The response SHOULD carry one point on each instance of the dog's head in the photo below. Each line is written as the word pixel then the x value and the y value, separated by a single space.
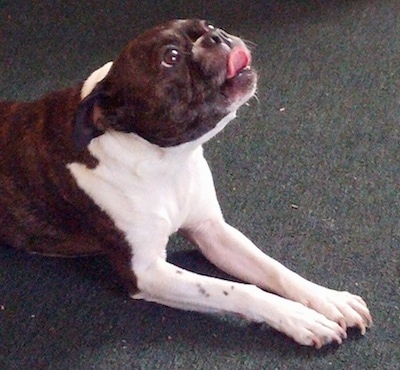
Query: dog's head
pixel 171 85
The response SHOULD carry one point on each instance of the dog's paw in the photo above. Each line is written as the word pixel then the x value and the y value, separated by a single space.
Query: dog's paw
pixel 348 310
pixel 308 327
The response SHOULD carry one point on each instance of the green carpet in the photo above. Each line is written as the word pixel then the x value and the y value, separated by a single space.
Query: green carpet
pixel 310 172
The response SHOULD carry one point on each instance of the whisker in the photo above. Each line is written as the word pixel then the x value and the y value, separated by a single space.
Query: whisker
pixel 250 44
pixel 255 96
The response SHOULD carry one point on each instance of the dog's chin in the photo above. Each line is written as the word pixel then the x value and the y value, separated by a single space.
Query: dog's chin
pixel 240 88
pixel 236 91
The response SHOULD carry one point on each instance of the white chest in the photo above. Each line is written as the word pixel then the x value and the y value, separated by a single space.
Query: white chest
pixel 141 186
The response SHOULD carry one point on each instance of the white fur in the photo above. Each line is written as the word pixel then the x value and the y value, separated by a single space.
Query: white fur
pixel 95 78
pixel 151 192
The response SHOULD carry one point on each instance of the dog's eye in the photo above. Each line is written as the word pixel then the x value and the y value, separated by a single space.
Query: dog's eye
pixel 171 57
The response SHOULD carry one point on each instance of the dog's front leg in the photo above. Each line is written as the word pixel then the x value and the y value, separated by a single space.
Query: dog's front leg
pixel 231 251
pixel 165 283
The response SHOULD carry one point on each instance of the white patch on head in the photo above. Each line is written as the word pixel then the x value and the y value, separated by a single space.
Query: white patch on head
pixel 94 79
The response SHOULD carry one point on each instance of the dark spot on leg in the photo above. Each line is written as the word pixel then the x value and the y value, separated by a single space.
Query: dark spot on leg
pixel 203 291
pixel 180 272
pixel 225 292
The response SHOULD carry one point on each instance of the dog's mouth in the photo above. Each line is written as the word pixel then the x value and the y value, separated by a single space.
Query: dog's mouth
pixel 225 60
pixel 240 79
pixel 239 59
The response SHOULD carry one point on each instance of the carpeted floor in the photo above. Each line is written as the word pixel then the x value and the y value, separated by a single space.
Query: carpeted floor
pixel 323 135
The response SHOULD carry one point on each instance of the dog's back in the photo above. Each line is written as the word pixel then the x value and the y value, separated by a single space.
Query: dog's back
pixel 38 197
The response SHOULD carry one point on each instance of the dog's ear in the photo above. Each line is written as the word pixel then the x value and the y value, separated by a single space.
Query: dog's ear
pixel 87 117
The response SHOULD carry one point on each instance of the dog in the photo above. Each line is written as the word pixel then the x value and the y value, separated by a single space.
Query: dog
pixel 115 165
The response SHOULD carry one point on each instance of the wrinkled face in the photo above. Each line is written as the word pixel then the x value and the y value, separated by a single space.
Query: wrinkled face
pixel 174 83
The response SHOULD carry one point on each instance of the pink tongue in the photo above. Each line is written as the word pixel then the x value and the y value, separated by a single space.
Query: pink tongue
pixel 239 58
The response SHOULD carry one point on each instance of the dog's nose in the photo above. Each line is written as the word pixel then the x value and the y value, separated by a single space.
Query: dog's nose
pixel 216 37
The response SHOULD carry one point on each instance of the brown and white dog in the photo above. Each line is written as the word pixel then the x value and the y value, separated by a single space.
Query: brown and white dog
pixel 115 165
